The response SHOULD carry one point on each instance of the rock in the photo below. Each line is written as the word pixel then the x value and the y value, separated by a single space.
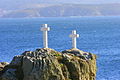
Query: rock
pixel 79 53
pixel 9 75
pixel 48 64
pixel 2 65
pixel 82 66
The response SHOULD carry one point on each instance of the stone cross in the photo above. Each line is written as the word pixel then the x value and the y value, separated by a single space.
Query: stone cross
pixel 45 30
pixel 74 36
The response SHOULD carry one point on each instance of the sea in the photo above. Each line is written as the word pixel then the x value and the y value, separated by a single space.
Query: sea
pixel 98 35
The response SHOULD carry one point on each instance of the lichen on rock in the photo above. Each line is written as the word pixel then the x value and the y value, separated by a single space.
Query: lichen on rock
pixel 48 64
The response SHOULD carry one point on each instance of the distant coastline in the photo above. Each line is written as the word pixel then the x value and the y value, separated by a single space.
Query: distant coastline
pixel 62 10
pixel 62 17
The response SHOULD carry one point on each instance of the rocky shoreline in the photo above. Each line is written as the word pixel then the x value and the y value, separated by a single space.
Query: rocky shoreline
pixel 48 64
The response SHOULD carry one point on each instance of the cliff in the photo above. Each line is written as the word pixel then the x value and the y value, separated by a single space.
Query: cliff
pixel 48 64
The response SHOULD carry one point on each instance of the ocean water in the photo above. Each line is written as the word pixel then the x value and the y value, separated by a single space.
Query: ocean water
pixel 98 35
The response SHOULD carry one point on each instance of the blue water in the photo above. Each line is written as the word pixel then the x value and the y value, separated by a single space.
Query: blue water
pixel 99 35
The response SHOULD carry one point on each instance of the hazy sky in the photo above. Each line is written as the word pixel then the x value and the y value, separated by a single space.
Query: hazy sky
pixel 66 1
pixel 15 3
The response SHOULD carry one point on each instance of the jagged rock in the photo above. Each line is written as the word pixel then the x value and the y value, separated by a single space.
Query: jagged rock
pixel 48 64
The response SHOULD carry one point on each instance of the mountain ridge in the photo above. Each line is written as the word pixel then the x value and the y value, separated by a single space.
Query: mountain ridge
pixel 64 10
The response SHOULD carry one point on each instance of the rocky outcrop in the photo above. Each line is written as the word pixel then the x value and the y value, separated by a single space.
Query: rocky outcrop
pixel 48 64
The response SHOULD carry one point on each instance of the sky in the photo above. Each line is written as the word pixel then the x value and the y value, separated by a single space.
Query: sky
pixel 85 1
pixel 15 3
pixel 55 1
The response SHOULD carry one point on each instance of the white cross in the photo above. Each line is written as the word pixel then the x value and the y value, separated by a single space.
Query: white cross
pixel 45 30
pixel 74 36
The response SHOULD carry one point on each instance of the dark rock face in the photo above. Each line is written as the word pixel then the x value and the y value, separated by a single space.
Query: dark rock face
pixel 48 64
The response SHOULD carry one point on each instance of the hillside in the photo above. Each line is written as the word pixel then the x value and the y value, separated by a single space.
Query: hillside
pixel 64 10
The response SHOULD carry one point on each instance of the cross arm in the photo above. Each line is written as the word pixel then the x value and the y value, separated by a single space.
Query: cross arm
pixel 74 35
pixel 45 29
